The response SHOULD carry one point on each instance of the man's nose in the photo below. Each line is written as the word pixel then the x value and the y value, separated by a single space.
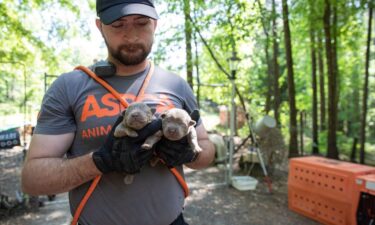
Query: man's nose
pixel 130 33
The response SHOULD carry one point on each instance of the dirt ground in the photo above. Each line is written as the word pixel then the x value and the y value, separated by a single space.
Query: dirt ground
pixel 225 205
pixel 210 203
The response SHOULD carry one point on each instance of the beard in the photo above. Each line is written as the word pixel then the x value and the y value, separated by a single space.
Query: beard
pixel 130 54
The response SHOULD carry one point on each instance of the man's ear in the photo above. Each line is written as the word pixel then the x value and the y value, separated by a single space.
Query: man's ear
pixel 155 24
pixel 99 25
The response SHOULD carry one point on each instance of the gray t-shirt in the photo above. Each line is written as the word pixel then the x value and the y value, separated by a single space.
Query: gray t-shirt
pixel 76 103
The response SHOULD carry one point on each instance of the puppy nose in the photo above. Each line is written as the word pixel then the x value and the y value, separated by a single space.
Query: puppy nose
pixel 172 130
pixel 135 115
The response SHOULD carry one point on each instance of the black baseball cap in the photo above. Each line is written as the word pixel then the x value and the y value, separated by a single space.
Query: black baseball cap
pixel 112 10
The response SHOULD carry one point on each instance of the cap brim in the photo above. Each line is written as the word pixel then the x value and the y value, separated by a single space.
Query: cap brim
pixel 114 13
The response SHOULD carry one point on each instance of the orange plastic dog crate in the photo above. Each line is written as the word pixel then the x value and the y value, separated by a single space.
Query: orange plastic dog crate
pixel 366 183
pixel 325 190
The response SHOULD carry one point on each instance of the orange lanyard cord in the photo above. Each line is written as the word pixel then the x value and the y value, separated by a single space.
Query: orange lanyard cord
pixel 104 84
pixel 84 200
pixel 95 182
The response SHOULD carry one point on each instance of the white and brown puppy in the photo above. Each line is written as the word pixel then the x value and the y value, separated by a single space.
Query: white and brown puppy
pixel 176 124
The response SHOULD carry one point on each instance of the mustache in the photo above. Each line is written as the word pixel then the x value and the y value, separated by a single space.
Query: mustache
pixel 131 47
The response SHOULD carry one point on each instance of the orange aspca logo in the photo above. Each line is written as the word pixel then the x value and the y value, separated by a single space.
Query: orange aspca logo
pixel 108 105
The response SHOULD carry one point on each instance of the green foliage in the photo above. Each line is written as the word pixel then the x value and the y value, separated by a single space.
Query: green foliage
pixel 40 37
pixel 31 43
pixel 227 24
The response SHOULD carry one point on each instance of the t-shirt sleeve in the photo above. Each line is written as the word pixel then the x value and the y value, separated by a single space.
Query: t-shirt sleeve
pixel 56 115
pixel 190 101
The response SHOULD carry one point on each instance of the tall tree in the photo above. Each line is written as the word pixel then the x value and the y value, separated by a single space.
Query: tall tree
pixel 366 88
pixel 332 151
pixel 276 89
pixel 334 39
pixel 315 149
pixel 322 95
pixel 188 43
pixel 301 133
pixel 265 27
pixel 293 141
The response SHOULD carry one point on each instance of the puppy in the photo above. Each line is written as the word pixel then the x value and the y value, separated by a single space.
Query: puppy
pixel 176 124
pixel 136 117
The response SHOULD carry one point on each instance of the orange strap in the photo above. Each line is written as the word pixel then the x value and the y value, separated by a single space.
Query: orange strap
pixel 95 182
pixel 85 199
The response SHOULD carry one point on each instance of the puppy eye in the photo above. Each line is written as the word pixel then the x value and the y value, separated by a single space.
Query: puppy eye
pixel 183 125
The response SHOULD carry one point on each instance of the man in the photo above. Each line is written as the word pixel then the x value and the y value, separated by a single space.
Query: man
pixel 77 114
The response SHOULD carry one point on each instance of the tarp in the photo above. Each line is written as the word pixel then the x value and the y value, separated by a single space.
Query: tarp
pixel 9 138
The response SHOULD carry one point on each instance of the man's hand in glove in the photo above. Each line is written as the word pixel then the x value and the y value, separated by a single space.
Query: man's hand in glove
pixel 185 150
pixel 175 153
pixel 125 154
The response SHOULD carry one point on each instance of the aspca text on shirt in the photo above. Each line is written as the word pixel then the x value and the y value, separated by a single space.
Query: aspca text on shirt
pixel 97 107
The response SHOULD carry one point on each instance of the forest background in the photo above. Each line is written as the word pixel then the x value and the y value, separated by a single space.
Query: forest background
pixel 309 64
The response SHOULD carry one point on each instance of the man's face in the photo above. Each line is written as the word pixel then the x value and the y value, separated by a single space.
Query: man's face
pixel 129 39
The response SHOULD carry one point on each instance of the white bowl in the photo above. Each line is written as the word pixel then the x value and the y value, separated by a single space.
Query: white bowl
pixel 244 183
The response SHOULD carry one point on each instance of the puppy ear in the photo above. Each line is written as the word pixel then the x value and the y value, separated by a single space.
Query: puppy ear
pixel 163 114
pixel 123 113
pixel 192 123
pixel 153 111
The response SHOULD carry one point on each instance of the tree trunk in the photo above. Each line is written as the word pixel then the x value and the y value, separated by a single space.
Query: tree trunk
pixel 276 89
pixel 302 128
pixel 365 89
pixel 354 150
pixel 339 122
pixel 332 151
pixel 293 142
pixel 315 143
pixel 196 63
pixel 269 81
pixel 7 95
pixel 188 40
pixel 268 60
pixel 321 85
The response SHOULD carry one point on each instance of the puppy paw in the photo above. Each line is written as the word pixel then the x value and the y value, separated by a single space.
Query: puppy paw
pixel 198 149
pixel 132 134
pixel 128 179
pixel 154 162
pixel 146 146
pixel 119 133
